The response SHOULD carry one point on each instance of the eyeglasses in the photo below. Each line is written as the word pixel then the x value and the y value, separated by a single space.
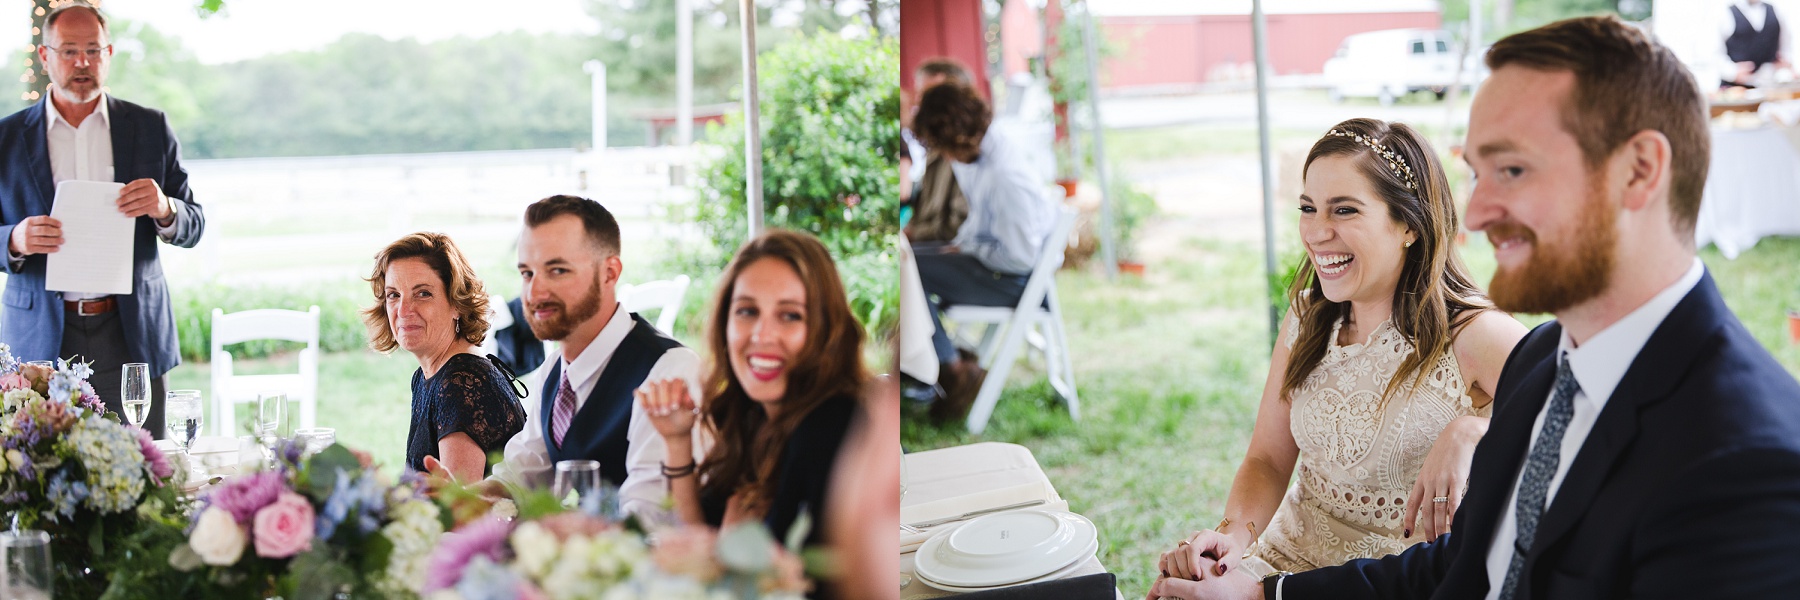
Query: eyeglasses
pixel 69 54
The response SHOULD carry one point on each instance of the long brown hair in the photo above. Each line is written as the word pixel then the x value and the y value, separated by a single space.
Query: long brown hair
pixel 1434 298
pixel 748 445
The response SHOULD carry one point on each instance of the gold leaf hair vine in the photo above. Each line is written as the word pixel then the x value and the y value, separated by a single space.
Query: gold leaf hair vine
pixel 1395 163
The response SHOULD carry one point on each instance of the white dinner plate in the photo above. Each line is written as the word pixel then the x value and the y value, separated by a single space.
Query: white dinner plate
pixel 1006 548
pixel 1062 573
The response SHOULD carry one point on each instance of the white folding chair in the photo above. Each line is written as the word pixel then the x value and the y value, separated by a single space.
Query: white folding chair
pixel 663 296
pixel 228 389
pixel 1036 321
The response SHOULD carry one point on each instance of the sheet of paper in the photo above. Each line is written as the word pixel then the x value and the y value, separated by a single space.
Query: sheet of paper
pixel 96 253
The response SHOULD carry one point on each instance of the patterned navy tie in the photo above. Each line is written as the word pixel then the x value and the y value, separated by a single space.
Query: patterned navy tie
pixel 564 411
pixel 1540 467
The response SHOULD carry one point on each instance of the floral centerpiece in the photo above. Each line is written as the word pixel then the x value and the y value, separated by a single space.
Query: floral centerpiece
pixel 547 554
pixel 72 469
pixel 312 527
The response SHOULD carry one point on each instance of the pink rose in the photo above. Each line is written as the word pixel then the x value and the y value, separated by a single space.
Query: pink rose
pixel 14 381
pixel 284 528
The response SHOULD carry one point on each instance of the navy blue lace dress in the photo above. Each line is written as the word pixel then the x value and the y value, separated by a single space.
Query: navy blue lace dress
pixel 468 394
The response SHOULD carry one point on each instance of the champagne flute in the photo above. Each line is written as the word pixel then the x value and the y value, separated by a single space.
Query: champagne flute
pixel 134 392
pixel 578 477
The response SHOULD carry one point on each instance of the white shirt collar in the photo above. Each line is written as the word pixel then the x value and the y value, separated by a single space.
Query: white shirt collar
pixel 1600 363
pixel 51 115
pixel 594 357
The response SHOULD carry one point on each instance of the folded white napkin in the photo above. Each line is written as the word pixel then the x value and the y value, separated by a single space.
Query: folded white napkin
pixel 952 481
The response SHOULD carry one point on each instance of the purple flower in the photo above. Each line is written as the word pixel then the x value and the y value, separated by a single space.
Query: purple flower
pixel 242 496
pixel 153 456
pixel 483 537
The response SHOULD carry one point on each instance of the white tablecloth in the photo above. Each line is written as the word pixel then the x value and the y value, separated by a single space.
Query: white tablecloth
pixel 1752 189
pixel 952 481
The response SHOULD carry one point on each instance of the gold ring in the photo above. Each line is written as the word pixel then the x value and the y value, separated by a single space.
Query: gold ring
pixel 1440 499
pixel 1183 543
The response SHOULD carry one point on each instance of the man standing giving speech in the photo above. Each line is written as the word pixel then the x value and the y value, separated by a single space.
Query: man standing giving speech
pixel 79 133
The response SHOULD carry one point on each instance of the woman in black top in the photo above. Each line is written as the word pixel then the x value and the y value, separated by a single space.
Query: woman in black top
pixel 430 303
pixel 785 371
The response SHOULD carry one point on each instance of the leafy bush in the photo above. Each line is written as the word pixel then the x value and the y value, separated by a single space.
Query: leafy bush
pixel 831 141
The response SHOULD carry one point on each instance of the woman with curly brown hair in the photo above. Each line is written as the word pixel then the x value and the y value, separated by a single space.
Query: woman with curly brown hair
pixel 429 303
pixel 781 388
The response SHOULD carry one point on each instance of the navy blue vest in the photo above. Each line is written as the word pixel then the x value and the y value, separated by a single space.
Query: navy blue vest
pixel 1750 45
pixel 597 431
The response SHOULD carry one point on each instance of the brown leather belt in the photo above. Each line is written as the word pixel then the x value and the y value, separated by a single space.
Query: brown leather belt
pixel 91 306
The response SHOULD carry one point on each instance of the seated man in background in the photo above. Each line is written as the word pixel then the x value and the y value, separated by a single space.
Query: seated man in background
pixel 987 261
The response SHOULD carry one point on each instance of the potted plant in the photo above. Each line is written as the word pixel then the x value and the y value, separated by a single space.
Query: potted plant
pixel 1131 208
pixel 1793 322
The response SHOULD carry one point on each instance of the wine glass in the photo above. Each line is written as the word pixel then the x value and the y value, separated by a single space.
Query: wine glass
pixel 183 417
pixel 134 392
pixel 26 574
pixel 271 414
pixel 578 477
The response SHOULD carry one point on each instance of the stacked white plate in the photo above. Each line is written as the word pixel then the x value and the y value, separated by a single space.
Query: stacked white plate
pixel 1007 549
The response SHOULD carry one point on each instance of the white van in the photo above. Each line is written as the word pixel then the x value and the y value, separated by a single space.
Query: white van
pixel 1392 63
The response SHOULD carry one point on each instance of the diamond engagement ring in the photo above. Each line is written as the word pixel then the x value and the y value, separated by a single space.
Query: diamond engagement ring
pixel 1440 499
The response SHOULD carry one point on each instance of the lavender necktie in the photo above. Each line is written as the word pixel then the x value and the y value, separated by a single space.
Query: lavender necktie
pixel 565 411
pixel 1540 467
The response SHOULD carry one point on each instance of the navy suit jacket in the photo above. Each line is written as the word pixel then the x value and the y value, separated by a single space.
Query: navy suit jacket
pixel 143 148
pixel 1688 486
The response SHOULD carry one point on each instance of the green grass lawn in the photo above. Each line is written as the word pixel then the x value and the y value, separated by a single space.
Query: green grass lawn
pixel 1170 367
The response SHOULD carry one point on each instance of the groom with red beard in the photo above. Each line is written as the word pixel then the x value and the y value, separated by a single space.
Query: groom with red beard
pixel 569 261
pixel 1644 444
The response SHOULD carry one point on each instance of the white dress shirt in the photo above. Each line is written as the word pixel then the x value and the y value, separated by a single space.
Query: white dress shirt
pixel 1598 365
pixel 84 153
pixel 644 487
pixel 1010 215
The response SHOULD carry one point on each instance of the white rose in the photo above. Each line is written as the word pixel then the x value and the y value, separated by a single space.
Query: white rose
pixel 217 538
pixel 535 547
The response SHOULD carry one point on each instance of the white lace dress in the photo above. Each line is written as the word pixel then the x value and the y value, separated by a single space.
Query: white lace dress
pixel 1359 457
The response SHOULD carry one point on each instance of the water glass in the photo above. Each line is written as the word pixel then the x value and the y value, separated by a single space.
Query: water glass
pixel 26 576
pixel 134 393
pixel 316 439
pixel 578 477
pixel 271 414
pixel 183 417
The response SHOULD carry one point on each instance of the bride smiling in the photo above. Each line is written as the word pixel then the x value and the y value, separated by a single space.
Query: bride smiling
pixel 1381 384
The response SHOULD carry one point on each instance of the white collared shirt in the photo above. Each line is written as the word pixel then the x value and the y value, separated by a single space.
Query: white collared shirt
pixel 1598 365
pixel 84 153
pixel 644 487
